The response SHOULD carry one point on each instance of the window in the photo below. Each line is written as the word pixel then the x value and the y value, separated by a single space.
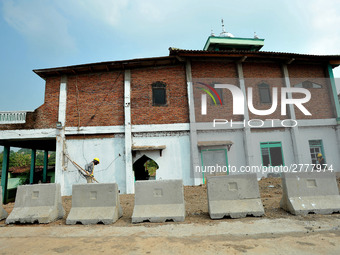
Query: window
pixel 272 154
pixel 308 85
pixel 316 147
pixel 158 93
pixel 264 92
pixel 212 158
pixel 220 95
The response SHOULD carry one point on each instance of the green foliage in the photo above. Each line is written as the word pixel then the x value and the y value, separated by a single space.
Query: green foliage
pixel 151 166
pixel 22 158
pixel 24 178
pixel 19 159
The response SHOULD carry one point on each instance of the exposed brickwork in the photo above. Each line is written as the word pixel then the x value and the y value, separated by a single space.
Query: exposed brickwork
pixel 176 108
pixel 255 74
pixel 98 101
pixel 211 73
pixel 268 73
pixel 47 114
pixel 320 105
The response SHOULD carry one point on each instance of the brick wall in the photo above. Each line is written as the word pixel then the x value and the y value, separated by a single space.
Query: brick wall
pixel 320 105
pixel 256 73
pixel 211 73
pixel 47 114
pixel 268 73
pixel 95 99
pixel 176 108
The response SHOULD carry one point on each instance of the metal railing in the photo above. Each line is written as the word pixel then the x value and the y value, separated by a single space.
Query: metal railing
pixel 15 117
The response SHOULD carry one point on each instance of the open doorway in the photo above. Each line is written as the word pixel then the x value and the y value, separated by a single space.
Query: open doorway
pixel 145 168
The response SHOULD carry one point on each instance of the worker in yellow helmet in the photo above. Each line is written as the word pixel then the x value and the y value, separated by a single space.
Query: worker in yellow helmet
pixel 89 169
pixel 321 161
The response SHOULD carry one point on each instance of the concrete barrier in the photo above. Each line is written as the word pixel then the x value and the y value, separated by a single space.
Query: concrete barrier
pixel 159 201
pixel 37 203
pixel 310 192
pixel 93 203
pixel 3 213
pixel 234 195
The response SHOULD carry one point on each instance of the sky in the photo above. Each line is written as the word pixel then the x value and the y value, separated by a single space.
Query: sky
pixel 38 34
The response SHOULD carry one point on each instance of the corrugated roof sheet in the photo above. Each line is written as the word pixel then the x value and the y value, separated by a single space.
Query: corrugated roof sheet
pixel 174 57
pixel 175 51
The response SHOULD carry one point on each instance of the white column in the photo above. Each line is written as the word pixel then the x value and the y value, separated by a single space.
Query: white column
pixel 60 143
pixel 294 131
pixel 130 188
pixel 194 155
pixel 247 141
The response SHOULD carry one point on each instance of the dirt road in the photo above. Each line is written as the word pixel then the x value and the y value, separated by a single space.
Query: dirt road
pixel 278 232
pixel 253 236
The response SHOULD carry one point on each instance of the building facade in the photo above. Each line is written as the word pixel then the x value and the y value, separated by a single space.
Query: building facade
pixel 175 111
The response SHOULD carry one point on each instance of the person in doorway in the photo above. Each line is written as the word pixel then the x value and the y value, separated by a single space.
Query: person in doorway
pixel 321 162
pixel 89 168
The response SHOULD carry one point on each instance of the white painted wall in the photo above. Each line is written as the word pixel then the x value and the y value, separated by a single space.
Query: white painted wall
pixel 329 138
pixel 236 154
pixel 173 164
pixel 175 160
pixel 111 168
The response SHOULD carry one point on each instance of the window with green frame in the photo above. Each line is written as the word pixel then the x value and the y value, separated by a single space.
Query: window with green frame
pixel 316 147
pixel 272 154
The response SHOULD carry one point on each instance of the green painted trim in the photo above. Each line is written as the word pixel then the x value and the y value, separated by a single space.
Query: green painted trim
pixel 202 167
pixel 233 41
pixel 317 146
pixel 4 176
pixel 33 159
pixel 45 166
pixel 335 96
pixel 272 145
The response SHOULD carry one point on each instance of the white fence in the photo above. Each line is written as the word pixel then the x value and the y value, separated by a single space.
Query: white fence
pixel 17 117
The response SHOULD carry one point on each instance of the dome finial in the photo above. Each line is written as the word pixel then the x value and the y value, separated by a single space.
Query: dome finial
pixel 224 33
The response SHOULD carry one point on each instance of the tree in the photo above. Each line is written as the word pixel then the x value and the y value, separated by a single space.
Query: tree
pixel 22 158
pixel 19 160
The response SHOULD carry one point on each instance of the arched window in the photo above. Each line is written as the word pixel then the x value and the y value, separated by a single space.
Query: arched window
pixel 264 91
pixel 158 93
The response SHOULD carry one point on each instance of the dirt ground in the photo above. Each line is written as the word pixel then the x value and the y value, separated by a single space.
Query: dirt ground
pixel 196 204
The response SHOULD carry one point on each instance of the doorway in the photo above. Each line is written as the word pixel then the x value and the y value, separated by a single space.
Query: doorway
pixel 145 168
